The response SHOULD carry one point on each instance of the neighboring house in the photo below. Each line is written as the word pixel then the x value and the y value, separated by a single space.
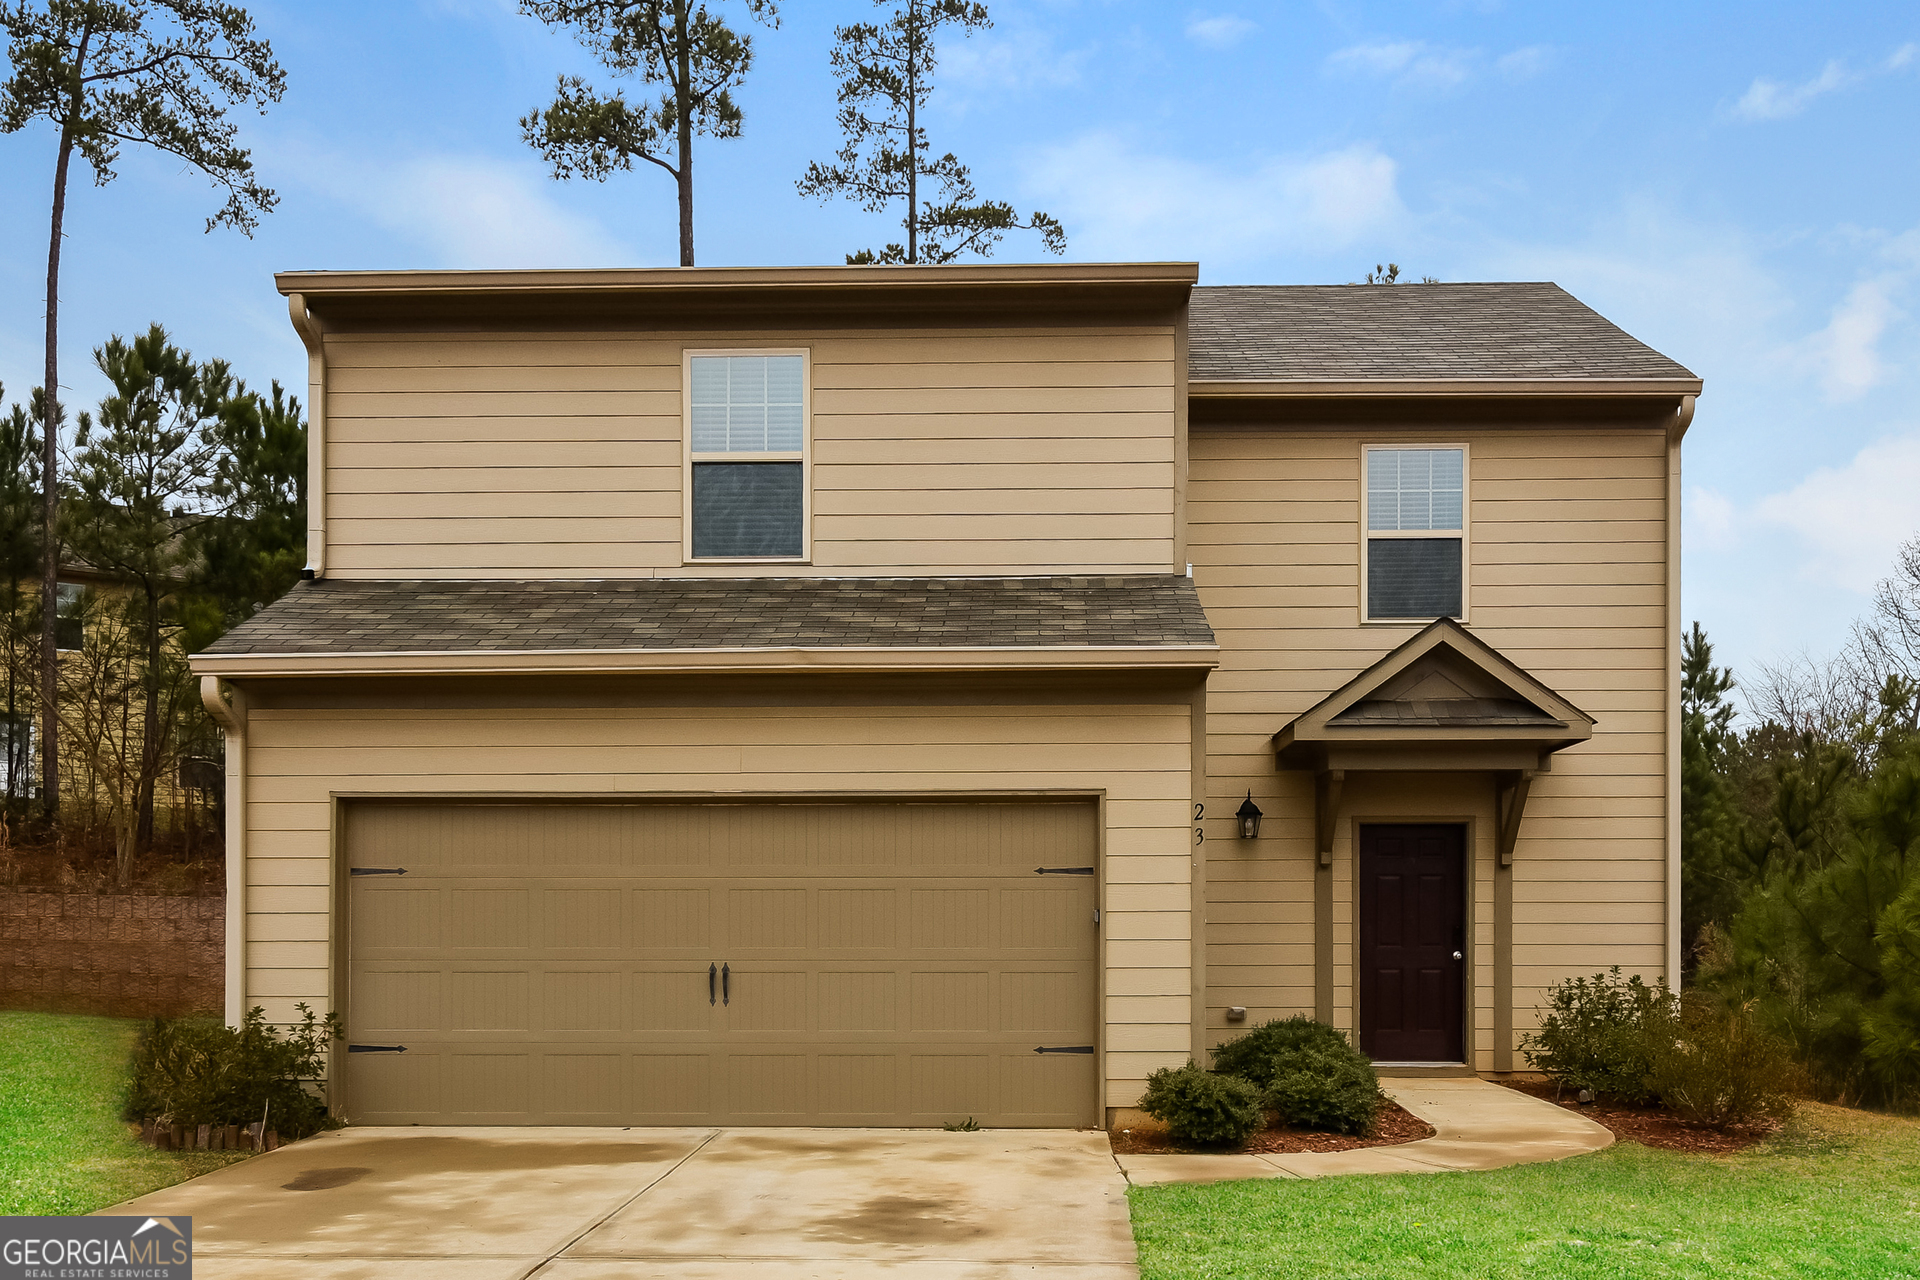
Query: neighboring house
pixel 837 695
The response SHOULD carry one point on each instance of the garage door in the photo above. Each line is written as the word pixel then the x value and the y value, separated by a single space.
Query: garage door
pixel 776 964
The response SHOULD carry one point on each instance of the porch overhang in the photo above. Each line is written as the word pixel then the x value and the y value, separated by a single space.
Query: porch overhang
pixel 1443 702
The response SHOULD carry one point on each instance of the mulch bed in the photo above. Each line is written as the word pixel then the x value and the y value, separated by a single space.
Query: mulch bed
pixel 1395 1126
pixel 1650 1126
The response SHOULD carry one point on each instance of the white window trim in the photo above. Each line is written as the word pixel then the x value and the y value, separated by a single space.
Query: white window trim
pixel 689 457
pixel 1466 531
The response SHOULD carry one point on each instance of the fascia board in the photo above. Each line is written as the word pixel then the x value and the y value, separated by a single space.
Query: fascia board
pixel 1313 724
pixel 1476 388
pixel 757 661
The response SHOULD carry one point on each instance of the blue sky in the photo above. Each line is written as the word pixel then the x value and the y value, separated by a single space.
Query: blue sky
pixel 1735 184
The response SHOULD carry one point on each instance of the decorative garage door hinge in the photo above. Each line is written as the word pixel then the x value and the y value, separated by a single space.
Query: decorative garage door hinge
pixel 376 1048
pixel 1063 871
pixel 379 871
pixel 1071 1048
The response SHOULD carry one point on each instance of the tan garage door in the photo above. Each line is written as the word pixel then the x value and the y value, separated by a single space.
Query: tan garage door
pixel 780 964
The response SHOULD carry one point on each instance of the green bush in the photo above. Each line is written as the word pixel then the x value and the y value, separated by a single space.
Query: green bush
pixel 1333 1090
pixel 194 1071
pixel 1713 1066
pixel 1599 1033
pixel 1202 1107
pixel 1253 1056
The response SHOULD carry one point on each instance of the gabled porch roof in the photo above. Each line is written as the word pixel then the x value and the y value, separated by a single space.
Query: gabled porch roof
pixel 1445 701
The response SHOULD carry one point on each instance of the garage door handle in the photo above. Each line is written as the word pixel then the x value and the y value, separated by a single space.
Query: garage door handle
pixel 1063 871
pixel 1071 1048
pixel 726 984
pixel 376 1048
pixel 712 969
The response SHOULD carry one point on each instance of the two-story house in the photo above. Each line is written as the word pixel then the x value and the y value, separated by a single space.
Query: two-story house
pixel 888 695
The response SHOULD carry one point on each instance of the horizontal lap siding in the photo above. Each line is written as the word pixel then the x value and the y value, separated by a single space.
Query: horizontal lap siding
pixel 527 455
pixel 1567 577
pixel 1139 757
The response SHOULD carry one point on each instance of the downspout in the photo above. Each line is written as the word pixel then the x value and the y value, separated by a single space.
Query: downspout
pixel 313 333
pixel 228 706
pixel 1676 431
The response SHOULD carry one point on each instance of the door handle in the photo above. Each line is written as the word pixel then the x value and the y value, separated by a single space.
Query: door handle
pixel 726 984
pixel 711 971
pixel 1458 956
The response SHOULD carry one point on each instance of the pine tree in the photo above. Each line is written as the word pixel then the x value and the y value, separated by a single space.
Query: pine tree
pixel 678 43
pixel 20 518
pixel 886 69
pixel 150 72
pixel 142 485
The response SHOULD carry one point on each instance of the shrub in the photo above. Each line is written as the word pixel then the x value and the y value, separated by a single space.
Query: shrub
pixel 1713 1066
pixel 1201 1106
pixel 195 1071
pixel 1317 1088
pixel 1253 1056
pixel 1599 1034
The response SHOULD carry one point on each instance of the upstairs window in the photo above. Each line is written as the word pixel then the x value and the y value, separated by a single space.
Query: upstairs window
pixel 1415 534
pixel 747 455
pixel 69 631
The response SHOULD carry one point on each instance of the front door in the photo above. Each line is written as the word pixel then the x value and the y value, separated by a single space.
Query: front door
pixel 1413 942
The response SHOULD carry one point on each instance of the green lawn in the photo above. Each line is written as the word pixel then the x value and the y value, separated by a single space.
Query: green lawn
pixel 1836 1193
pixel 63 1147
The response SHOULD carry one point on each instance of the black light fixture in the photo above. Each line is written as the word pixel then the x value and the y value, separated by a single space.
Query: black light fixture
pixel 1249 815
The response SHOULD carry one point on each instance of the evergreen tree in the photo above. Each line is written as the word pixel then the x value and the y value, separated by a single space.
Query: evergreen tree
pixel 678 43
pixel 104 74
pixel 142 485
pixel 250 554
pixel 886 69
pixel 1711 882
pixel 20 518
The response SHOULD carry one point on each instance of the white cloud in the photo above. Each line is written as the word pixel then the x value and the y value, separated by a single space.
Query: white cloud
pixel 1119 202
pixel 1524 64
pixel 1415 64
pixel 1772 100
pixel 1847 351
pixel 1853 517
pixel 1411 63
pixel 1018 61
pixel 1709 519
pixel 1222 32
pixel 470 211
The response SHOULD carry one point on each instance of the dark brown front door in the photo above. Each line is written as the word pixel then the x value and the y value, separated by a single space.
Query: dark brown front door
pixel 1413 937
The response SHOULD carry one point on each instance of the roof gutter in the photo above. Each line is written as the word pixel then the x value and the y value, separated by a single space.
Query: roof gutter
pixel 1476 388
pixel 313 333
pixel 228 706
pixel 848 659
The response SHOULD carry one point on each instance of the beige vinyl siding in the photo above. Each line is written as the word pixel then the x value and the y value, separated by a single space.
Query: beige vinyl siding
pixel 1567 577
pixel 1133 755
pixel 1014 451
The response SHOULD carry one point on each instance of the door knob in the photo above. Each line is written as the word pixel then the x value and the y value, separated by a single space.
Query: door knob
pixel 1458 956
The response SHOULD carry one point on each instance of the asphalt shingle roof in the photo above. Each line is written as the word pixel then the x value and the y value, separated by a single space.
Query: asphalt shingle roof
pixel 1340 333
pixel 343 616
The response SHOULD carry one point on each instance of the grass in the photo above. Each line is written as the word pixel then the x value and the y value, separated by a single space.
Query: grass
pixel 1835 1193
pixel 63 1146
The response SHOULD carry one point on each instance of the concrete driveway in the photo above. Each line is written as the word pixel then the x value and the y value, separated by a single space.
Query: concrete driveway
pixel 582 1204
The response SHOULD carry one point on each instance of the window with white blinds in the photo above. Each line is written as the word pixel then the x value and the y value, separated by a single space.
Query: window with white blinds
pixel 747 455
pixel 1415 534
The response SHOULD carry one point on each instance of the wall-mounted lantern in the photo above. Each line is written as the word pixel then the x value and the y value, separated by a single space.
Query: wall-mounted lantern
pixel 1249 816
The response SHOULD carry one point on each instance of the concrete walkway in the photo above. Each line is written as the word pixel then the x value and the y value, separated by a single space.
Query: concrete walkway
pixel 1479 1125
pixel 592 1204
